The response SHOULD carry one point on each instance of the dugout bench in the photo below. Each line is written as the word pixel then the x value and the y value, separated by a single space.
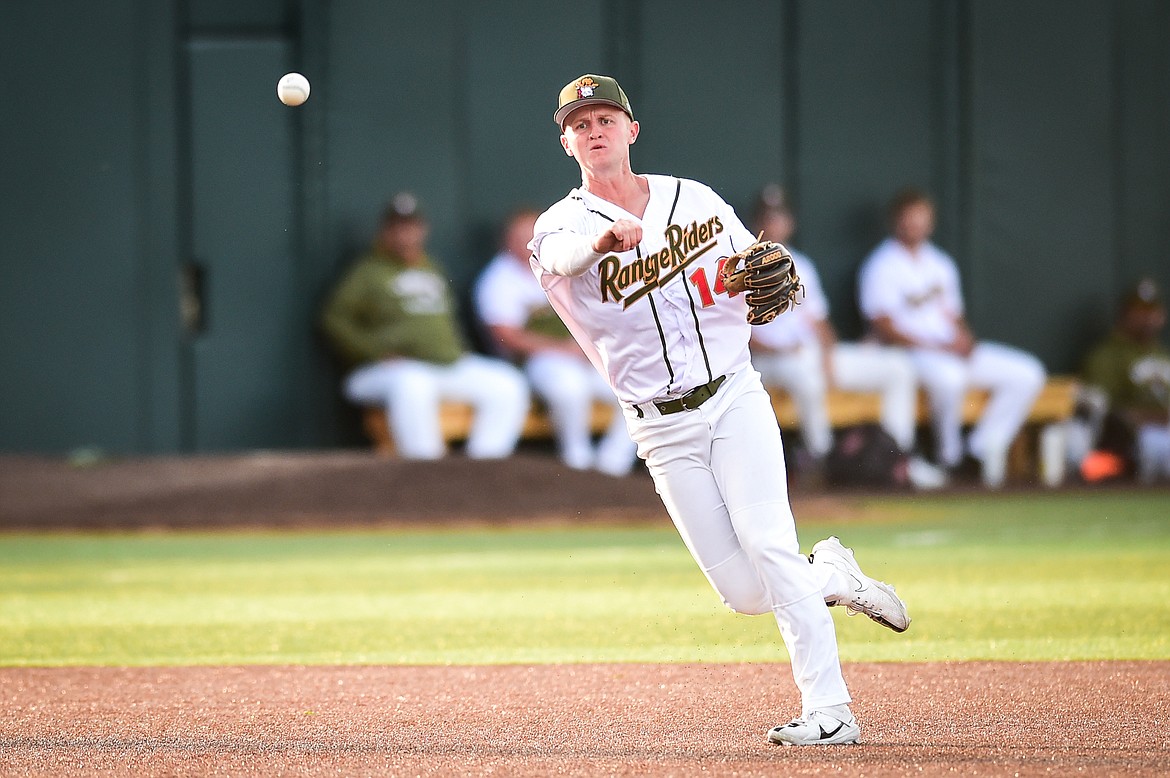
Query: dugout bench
pixel 1056 403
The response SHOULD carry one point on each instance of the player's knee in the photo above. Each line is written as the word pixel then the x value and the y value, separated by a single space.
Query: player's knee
pixel 899 369
pixel 1024 378
pixel 1034 373
pixel 747 603
pixel 412 389
pixel 946 383
pixel 504 386
pixel 739 586
pixel 569 394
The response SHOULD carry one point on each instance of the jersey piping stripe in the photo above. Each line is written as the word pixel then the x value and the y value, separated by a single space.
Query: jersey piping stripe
pixel 646 290
pixel 594 210
pixel 650 297
pixel 677 192
pixel 661 337
pixel 690 297
pixel 658 324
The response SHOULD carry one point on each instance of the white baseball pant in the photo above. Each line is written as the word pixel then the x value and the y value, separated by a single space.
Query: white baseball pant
pixel 719 470
pixel 1014 379
pixel 857 367
pixel 1153 452
pixel 569 385
pixel 411 392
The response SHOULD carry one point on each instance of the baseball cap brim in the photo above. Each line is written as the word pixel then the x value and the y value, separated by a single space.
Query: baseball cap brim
pixel 563 112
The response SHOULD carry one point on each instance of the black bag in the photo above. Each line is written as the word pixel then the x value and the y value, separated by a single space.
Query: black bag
pixel 866 455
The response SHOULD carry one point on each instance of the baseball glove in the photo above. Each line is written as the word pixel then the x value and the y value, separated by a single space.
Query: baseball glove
pixel 765 271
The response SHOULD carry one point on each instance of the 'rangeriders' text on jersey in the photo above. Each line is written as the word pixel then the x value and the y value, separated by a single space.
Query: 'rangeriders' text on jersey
pixel 654 320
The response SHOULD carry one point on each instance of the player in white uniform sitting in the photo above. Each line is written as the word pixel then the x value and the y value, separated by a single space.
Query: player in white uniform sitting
pixel 910 294
pixel 800 353
pixel 516 313
pixel 631 263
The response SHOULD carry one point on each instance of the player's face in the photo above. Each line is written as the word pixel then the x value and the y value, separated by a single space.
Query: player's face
pixel 598 134
pixel 777 225
pixel 407 239
pixel 1144 323
pixel 915 224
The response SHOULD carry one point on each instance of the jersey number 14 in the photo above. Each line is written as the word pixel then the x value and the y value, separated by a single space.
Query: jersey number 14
pixel 703 286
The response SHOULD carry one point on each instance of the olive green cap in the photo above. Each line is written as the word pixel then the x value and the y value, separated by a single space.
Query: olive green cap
pixel 590 89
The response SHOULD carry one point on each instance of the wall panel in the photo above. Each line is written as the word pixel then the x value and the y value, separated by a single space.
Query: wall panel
pixel 1041 181
pixel 514 66
pixel 1041 126
pixel 868 122
pixel 71 133
pixel 712 93
pixel 1143 161
pixel 391 93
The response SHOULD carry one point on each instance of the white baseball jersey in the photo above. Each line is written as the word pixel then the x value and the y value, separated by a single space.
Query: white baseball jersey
pixel 919 292
pixel 796 326
pixel 654 320
pixel 506 294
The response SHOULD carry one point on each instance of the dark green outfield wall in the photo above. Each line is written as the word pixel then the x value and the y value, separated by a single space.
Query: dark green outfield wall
pixel 145 156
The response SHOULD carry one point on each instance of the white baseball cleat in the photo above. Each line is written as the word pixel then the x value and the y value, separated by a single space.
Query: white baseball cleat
pixel 818 728
pixel 867 595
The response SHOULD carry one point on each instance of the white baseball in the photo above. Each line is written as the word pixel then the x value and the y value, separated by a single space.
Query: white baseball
pixel 292 89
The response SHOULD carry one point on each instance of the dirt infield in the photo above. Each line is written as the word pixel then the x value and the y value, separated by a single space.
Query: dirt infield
pixel 965 719
pixel 976 718
pixel 311 489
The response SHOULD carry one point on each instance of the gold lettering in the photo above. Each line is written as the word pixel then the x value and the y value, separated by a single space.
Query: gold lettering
pixel 609 270
pixel 674 237
pixel 683 246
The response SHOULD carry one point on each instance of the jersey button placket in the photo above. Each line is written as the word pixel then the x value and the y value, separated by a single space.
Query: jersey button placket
pixel 678 308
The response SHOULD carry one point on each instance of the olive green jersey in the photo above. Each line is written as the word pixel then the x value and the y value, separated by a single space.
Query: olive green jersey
pixel 385 308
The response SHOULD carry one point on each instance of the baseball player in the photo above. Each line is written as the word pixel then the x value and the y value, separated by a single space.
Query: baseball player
pixel 632 263
pixel 515 311
pixel 800 353
pixel 1131 369
pixel 391 319
pixel 909 292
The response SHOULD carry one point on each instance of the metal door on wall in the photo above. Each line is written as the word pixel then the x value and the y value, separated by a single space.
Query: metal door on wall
pixel 244 345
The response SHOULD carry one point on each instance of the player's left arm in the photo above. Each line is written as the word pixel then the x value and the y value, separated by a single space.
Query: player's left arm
pixel 964 341
pixel 827 337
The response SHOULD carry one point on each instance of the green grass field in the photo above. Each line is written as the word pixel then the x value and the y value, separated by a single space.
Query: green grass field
pixel 1006 577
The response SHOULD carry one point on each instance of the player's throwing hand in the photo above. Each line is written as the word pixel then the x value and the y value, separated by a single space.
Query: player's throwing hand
pixel 622 235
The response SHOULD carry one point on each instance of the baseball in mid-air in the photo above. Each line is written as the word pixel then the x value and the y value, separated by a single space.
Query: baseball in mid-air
pixel 292 89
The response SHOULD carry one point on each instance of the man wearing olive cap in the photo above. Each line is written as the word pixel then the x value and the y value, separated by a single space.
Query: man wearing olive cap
pixel 631 264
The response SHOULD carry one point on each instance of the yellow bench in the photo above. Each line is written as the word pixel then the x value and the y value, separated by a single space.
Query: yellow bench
pixel 1056 402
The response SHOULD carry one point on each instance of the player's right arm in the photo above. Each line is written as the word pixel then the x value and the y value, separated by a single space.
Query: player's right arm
pixel 878 297
pixel 566 246
pixel 622 235
pixel 566 253
pixel 885 330
pixel 344 318
pixel 570 254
